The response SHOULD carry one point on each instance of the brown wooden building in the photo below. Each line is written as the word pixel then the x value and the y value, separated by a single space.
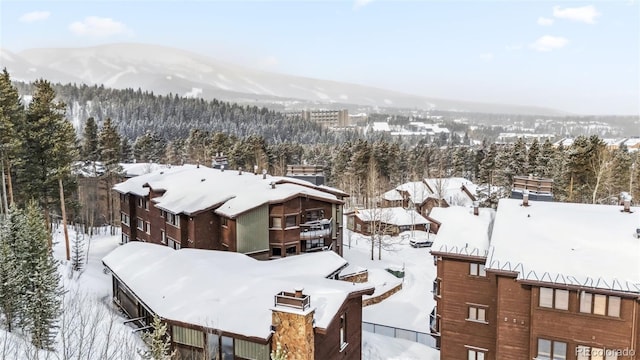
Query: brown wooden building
pixel 390 221
pixel 426 194
pixel 260 215
pixel 553 281
pixel 230 305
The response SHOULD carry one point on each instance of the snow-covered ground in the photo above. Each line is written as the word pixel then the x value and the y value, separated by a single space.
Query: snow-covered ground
pixel 90 310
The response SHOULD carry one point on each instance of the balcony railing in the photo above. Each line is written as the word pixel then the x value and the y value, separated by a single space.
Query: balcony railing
pixel 434 325
pixel 291 300
pixel 315 229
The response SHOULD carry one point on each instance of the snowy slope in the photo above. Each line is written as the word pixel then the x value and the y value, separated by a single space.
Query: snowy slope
pixel 163 70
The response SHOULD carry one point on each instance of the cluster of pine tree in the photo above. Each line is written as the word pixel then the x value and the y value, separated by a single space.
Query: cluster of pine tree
pixel 30 292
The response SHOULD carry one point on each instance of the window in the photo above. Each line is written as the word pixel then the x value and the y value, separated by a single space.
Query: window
pixel 291 221
pixel 140 224
pixel 554 298
pixel 187 336
pixel 437 284
pixel 600 304
pixel 314 214
pixel 146 204
pixel 477 270
pixel 476 354
pixel 291 250
pixel 173 219
pixel 276 223
pixel 140 202
pixel 125 238
pixel 147 226
pixel 314 244
pixel 173 244
pixel 276 251
pixel 477 313
pixel 213 346
pixel 224 221
pixel 124 218
pixel 592 353
pixel 343 331
pixel 226 348
pixel 163 237
pixel 551 350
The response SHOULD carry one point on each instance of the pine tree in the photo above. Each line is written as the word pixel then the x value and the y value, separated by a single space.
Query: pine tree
pixel 77 252
pixel 533 158
pixel 158 342
pixel 12 116
pixel 90 140
pixel 11 279
pixel 42 297
pixel 49 148
pixel 109 144
pixel 126 151
pixel 544 166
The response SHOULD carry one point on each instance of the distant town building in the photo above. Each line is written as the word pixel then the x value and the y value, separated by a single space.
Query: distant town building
pixel 328 118
pixel 545 280
pixel 223 305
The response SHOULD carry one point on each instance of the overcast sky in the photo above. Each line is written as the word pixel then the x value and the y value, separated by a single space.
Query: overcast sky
pixel 580 57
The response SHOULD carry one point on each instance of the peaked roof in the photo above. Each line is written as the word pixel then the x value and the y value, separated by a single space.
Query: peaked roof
pixel 394 216
pixel 449 189
pixel 594 246
pixel 461 232
pixel 224 290
pixel 190 189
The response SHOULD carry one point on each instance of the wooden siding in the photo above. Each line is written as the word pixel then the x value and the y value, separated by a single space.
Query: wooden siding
pixel 513 305
pixel 253 230
pixel 459 290
pixel 327 344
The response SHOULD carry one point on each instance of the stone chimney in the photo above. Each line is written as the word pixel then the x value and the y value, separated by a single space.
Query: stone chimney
pixel 292 325
pixel 525 198
pixel 476 208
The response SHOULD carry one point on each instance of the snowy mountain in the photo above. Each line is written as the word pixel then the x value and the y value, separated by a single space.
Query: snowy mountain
pixel 167 70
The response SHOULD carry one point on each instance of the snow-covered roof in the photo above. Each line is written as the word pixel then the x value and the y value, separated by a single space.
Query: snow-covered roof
pixel 393 216
pixel 225 290
pixel 461 232
pixel 632 142
pixel 380 126
pixel 450 189
pixel 137 169
pixel 88 168
pixel 577 244
pixel 189 189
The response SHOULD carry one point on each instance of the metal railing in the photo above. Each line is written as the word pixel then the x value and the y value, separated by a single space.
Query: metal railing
pixel 290 300
pixel 400 333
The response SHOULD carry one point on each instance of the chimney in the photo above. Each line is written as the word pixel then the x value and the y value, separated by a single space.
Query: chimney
pixel 293 327
pixel 264 173
pixel 221 168
pixel 299 292
pixel 273 184
pixel 525 198
pixel 476 208
pixel 627 205
pixel 240 170
pixel 198 164
pixel 255 169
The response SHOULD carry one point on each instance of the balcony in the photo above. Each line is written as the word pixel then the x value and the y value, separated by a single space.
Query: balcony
pixel 434 322
pixel 315 229
pixel 296 300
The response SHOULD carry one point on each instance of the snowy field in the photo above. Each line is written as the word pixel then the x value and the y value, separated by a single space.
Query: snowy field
pixel 91 328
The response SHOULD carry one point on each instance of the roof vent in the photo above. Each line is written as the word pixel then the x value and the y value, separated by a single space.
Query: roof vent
pixel 221 168
pixel 264 173
pixel 273 184
pixel 525 198
pixel 255 169
pixel 476 208
pixel 202 180
pixel 240 171
pixel 625 199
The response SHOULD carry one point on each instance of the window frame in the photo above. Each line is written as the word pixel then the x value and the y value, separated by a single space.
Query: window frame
pixel 554 298
pixel 552 350
pixel 474 311
pixel 477 270
pixel 589 299
pixel 139 224
pixel 343 331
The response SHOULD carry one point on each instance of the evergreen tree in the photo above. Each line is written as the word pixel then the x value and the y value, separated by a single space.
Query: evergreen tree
pixel 158 342
pixel 544 166
pixel 109 143
pixel 126 151
pixel 90 140
pixel 11 279
pixel 12 116
pixel 533 158
pixel 49 147
pixel 41 300
pixel 518 165
pixel 77 252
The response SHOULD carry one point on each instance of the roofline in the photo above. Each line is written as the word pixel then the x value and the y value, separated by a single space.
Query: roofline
pixel 620 293
pixel 235 216
pixel 353 294
pixel 313 186
pixel 456 256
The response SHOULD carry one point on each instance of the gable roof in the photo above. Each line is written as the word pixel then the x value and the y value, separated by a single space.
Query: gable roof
pixel 225 290
pixel 570 244
pixel 190 189
pixel 393 216
pixel 449 189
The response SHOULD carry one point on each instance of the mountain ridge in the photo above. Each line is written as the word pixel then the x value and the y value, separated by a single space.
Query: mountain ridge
pixel 164 70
